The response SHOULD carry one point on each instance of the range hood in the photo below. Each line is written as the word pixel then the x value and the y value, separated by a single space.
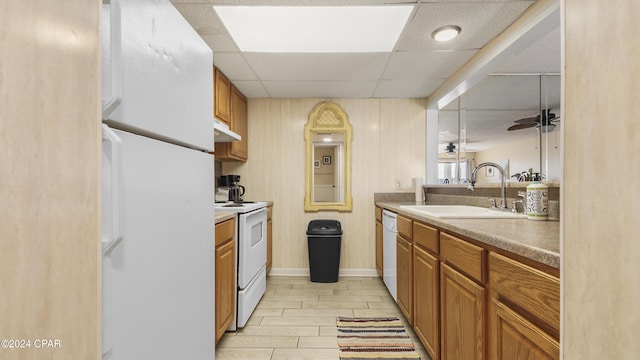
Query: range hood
pixel 222 133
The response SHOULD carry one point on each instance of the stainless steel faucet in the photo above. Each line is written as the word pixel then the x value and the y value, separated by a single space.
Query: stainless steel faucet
pixel 502 181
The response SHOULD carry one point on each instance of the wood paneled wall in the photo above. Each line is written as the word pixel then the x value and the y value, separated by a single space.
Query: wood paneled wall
pixel 49 185
pixel 388 145
pixel 601 180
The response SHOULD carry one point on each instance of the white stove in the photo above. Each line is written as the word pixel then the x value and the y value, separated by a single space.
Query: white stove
pixel 251 233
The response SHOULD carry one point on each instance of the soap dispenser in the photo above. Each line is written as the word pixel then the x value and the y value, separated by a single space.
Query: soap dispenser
pixel 537 201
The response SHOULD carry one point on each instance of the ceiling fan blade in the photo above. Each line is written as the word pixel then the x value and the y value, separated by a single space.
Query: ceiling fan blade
pixel 530 120
pixel 521 126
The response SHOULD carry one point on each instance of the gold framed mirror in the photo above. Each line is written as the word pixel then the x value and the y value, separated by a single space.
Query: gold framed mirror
pixel 327 136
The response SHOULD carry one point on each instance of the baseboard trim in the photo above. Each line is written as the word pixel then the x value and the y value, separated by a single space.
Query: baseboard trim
pixel 305 272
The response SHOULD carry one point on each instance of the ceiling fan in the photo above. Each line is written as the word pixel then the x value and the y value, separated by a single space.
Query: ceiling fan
pixel 545 124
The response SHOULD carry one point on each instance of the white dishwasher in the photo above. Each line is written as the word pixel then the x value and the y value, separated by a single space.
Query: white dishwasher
pixel 389 234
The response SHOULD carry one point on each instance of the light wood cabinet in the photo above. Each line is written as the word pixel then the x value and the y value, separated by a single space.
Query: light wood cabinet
pixel 379 244
pixel 221 97
pixel 469 301
pixel 524 315
pixel 462 307
pixel 269 238
pixel 235 150
pixel 404 281
pixel 379 249
pixel 463 299
pixel 225 275
pixel 426 287
pixel 426 292
pixel 515 337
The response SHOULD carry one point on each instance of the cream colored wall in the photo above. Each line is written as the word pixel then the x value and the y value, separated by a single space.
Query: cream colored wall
pixel 522 155
pixel 388 145
pixel 49 186
pixel 601 180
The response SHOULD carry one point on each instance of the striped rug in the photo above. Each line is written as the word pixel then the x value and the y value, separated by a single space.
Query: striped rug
pixel 374 338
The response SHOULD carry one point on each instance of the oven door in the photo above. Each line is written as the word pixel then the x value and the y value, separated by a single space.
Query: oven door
pixel 252 245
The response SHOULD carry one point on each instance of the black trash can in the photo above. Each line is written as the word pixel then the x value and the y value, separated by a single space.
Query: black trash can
pixel 324 238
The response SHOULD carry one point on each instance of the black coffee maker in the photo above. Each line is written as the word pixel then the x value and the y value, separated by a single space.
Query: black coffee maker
pixel 236 191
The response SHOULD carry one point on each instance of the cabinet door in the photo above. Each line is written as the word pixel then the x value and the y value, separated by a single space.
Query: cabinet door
pixel 269 238
pixel 225 268
pixel 239 149
pixel 513 337
pixel 404 265
pixel 235 150
pixel 379 248
pixel 462 303
pixel 221 97
pixel 426 312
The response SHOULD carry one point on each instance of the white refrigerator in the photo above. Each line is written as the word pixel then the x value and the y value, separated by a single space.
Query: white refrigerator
pixel 157 185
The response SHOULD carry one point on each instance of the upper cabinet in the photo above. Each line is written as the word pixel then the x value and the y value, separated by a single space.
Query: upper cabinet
pixel 221 97
pixel 231 107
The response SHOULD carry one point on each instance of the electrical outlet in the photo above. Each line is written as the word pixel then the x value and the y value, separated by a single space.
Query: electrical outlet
pixel 398 185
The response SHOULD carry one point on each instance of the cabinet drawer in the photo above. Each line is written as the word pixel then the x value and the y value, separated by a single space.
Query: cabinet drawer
pixel 225 231
pixel 536 292
pixel 378 213
pixel 466 257
pixel 426 237
pixel 404 227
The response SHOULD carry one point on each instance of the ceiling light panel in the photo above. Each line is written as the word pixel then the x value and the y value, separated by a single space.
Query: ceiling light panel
pixel 313 29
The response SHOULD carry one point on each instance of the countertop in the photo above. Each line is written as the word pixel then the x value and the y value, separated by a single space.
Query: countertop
pixel 224 215
pixel 535 240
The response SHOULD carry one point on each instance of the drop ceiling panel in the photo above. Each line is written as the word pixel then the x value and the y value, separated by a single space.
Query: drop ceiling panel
pixel 251 89
pixel 425 64
pixel 407 88
pixel 541 57
pixel 234 66
pixel 320 89
pixel 208 25
pixel 411 71
pixel 480 22
pixel 285 67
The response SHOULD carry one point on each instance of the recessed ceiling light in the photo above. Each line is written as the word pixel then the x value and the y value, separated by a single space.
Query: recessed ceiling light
pixel 309 29
pixel 446 33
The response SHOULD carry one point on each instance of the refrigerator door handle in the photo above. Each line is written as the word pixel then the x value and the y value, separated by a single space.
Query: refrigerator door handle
pixel 115 53
pixel 113 214
pixel 112 223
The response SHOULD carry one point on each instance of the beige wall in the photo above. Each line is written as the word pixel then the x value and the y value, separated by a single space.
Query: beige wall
pixel 49 186
pixel 522 155
pixel 601 180
pixel 388 145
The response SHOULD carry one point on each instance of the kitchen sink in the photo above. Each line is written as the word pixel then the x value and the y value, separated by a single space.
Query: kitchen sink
pixel 462 212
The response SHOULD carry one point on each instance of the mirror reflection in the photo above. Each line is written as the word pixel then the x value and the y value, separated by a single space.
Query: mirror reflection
pixel 327 174
pixel 328 140
pixel 511 120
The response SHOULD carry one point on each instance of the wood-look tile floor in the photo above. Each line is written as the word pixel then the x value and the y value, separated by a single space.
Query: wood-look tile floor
pixel 296 319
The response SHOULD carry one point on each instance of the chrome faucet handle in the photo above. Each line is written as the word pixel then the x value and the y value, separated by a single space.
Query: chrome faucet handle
pixel 493 203
pixel 514 207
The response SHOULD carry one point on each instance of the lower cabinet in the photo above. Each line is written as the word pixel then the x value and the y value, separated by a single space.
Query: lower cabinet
pixel 404 281
pixel 269 237
pixel 426 310
pixel 514 337
pixel 379 244
pixel 468 301
pixel 463 316
pixel 524 320
pixel 225 268
pixel 379 265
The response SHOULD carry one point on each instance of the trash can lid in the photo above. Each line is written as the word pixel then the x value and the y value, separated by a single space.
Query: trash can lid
pixel 324 227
